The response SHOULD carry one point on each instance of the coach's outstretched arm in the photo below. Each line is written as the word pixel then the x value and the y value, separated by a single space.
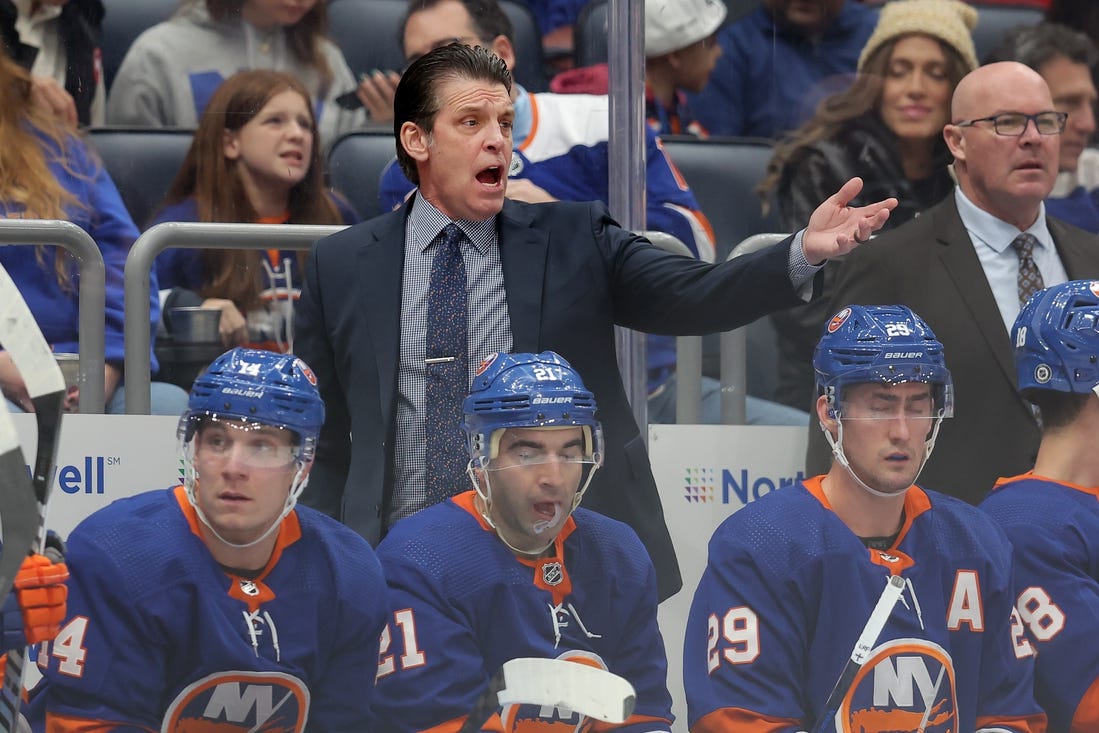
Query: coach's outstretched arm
pixel 835 228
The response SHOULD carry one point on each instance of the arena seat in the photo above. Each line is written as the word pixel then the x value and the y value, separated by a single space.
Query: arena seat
pixel 367 32
pixel 355 165
pixel 723 174
pixel 123 21
pixel 142 162
pixel 591 34
pixel 993 21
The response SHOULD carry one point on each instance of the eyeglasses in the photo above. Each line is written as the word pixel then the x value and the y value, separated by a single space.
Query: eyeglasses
pixel 1014 124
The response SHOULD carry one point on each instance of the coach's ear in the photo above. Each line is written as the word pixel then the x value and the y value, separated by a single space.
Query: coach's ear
pixel 415 141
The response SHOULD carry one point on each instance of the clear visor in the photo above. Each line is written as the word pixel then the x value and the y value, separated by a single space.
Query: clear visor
pixel 252 444
pixel 910 401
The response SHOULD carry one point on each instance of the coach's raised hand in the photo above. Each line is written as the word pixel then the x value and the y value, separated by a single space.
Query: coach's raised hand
pixel 836 228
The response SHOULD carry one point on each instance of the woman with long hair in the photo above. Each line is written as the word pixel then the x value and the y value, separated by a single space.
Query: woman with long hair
pixel 46 172
pixel 171 71
pixel 887 129
pixel 255 158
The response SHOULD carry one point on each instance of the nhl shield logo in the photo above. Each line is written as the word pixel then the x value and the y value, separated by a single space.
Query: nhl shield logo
pixel 552 573
pixel 1093 286
pixel 248 588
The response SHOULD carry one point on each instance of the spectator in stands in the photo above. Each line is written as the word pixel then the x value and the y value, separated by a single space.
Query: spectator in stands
pixel 560 153
pixel 778 61
pixel 557 21
pixel 886 128
pixel 57 41
pixel 171 71
pixel 46 172
pixel 1067 60
pixel 680 48
pixel 968 263
pixel 255 158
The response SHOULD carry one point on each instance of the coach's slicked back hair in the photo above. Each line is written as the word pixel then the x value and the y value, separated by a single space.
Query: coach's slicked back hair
pixel 417 97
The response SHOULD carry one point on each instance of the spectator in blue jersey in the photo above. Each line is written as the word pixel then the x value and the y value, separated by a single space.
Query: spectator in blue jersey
pixel 1051 513
pixel 523 572
pixel 255 158
pixel 779 61
pixel 219 604
pixel 792 579
pixel 560 154
pixel 1067 59
pixel 46 172
pixel 396 312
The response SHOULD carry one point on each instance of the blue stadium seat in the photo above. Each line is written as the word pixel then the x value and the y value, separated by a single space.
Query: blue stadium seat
pixel 723 174
pixel 143 163
pixel 123 21
pixel 993 21
pixel 355 165
pixel 367 33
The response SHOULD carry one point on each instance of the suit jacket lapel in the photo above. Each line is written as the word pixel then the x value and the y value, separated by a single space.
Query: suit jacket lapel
pixel 964 268
pixel 381 267
pixel 523 251
pixel 1076 255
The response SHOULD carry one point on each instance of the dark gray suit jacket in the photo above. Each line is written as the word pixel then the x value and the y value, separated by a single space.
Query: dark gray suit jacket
pixel 931 266
pixel 571 274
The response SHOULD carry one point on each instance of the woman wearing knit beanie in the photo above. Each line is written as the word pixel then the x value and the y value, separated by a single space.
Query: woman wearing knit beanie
pixel 887 129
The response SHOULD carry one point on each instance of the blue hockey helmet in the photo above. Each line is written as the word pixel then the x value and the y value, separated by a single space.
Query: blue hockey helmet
pixel 884 344
pixel 258 387
pixel 1056 338
pixel 527 391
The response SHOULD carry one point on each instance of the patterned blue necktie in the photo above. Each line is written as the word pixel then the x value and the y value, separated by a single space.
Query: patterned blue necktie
pixel 447 368
pixel 1030 279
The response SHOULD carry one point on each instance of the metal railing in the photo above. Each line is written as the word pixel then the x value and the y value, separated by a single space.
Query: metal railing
pixel 190 235
pixel 734 346
pixel 91 297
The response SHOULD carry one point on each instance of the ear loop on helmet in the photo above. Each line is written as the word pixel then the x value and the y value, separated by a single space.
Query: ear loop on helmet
pixel 190 484
pixel 837 451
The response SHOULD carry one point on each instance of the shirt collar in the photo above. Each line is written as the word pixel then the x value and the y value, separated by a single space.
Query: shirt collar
pixel 524 118
pixel 996 233
pixel 428 222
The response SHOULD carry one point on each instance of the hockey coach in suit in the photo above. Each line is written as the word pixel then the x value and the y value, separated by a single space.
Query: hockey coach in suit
pixel 538 277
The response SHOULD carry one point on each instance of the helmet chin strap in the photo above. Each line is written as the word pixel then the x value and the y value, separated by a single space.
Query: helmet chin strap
pixel 836 444
pixel 558 521
pixel 190 484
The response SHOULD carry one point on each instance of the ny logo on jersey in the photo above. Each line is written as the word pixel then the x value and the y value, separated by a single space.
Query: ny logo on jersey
pixel 905 684
pixel 560 616
pixel 241 701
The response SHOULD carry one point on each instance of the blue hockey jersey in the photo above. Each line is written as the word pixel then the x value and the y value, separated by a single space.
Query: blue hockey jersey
pixel 160 637
pixel 465 604
pixel 788 588
pixel 1054 528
